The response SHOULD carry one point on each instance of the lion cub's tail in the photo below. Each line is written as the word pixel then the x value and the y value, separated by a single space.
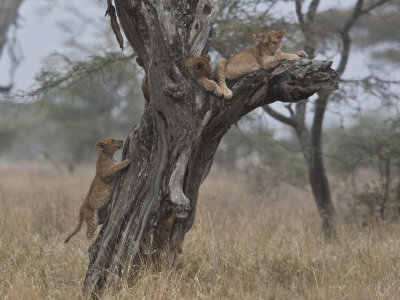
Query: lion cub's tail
pixel 76 229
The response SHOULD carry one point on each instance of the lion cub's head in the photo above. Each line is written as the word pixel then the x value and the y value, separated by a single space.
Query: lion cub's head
pixel 199 66
pixel 109 145
pixel 270 41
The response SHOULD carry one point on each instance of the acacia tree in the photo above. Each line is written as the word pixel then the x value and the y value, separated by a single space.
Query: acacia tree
pixel 172 147
pixel 310 139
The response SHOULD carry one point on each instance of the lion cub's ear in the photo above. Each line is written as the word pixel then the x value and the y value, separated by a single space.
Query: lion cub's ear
pixel 281 34
pixel 100 145
pixel 258 37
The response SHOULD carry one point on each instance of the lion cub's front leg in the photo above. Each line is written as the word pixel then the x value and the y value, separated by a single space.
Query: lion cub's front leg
pixel 302 54
pixel 220 75
pixel 287 56
pixel 111 171
pixel 211 86
pixel 280 56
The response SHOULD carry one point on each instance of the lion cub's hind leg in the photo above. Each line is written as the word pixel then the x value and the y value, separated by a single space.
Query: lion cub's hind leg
pixel 219 74
pixel 92 220
pixel 102 213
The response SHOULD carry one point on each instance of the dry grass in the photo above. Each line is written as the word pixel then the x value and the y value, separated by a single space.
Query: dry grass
pixel 242 246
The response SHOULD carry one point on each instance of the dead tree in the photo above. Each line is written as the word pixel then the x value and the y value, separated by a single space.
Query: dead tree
pixel 172 147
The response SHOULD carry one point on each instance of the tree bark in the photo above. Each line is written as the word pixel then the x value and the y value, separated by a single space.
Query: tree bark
pixel 318 179
pixel 172 147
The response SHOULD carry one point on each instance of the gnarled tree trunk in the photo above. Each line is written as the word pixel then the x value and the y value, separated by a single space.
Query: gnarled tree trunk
pixel 172 147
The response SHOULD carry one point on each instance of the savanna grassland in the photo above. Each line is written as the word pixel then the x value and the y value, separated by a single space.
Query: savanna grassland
pixel 243 245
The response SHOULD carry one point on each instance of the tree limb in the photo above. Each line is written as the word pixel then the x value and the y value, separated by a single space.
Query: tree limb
pixel 312 9
pixel 8 16
pixel 373 6
pixel 358 11
pixel 278 116
pixel 299 14
pixel 114 23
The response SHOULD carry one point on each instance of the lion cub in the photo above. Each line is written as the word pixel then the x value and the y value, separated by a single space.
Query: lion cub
pixel 266 55
pixel 200 69
pixel 95 205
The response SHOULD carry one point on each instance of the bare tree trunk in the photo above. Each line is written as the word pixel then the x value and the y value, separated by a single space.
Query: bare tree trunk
pixel 310 143
pixel 311 147
pixel 398 199
pixel 8 15
pixel 385 179
pixel 318 179
pixel 172 147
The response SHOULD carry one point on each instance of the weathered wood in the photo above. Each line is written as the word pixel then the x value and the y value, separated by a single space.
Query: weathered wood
pixel 172 147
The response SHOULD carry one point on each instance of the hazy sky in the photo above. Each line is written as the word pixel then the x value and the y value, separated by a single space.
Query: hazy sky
pixel 40 33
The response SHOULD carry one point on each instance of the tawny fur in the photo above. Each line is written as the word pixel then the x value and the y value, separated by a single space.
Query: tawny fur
pixel 200 69
pixel 95 205
pixel 266 55
pixel 145 88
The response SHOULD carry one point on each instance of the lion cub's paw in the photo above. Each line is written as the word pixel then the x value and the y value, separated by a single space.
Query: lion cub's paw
pixel 302 54
pixel 227 93
pixel 126 162
pixel 218 91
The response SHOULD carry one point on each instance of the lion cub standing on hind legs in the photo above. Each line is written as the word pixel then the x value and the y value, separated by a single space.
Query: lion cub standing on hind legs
pixel 266 55
pixel 95 205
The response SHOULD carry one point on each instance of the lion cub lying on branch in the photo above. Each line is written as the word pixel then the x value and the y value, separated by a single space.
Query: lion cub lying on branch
pixel 266 55
pixel 200 69
pixel 95 205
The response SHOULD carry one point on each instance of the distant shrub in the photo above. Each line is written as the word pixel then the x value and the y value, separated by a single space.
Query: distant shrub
pixel 374 203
